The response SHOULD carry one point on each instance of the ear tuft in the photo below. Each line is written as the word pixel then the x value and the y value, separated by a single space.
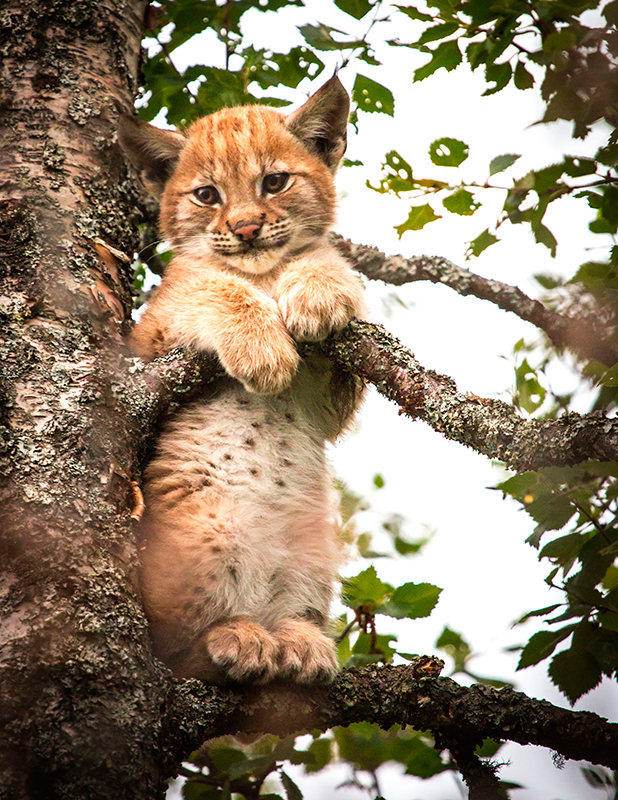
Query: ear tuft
pixel 321 123
pixel 152 151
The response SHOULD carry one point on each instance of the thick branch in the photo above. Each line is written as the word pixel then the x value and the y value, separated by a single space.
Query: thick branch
pixel 459 717
pixel 576 333
pixel 490 427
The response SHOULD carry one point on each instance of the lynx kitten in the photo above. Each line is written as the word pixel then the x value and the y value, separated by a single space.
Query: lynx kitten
pixel 240 553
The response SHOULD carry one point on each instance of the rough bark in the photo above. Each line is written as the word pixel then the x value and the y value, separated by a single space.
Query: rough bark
pixel 490 427
pixel 81 695
pixel 86 712
pixel 582 334
pixel 459 717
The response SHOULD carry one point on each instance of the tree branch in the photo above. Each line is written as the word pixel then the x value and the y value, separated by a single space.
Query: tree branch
pixel 459 717
pixel 489 427
pixel 576 333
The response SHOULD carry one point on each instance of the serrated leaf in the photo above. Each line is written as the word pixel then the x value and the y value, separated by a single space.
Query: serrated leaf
pixel 563 549
pixel 540 612
pixel 321 37
pixel 292 791
pixel 435 32
pixel 500 163
pixel 446 56
pixel 448 152
pixel 365 590
pixel 498 74
pixel 418 217
pixel 414 13
pixel 411 600
pixel 422 760
pixel 355 8
pixel 542 645
pixel 575 672
pixel 522 78
pixel 372 97
pixel 461 202
pixel 482 242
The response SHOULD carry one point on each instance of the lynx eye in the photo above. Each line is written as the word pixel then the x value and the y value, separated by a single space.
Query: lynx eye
pixel 207 195
pixel 275 182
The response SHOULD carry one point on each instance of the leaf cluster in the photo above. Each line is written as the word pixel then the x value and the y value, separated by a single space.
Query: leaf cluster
pixel 584 498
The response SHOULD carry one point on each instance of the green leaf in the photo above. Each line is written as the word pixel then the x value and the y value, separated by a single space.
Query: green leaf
pixel 446 56
pixel 378 481
pixel 461 202
pixel 355 8
pixel 575 672
pixel 422 760
pixel 372 97
pixel 522 78
pixel 499 74
pixel 321 37
pixel 542 645
pixel 363 653
pixel 440 31
pixel 414 13
pixel 543 235
pixel 411 600
pixel 447 152
pixel 540 612
pixel 488 749
pixel 418 217
pixel 482 242
pixel 500 163
pixel 322 751
pixel 194 790
pixel 563 549
pixel 365 590
pixel 292 791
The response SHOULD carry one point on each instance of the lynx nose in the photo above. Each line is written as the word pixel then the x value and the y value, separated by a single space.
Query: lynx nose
pixel 246 230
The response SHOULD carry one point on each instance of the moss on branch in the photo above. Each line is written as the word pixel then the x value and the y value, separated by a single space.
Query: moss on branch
pixel 581 333
pixel 459 717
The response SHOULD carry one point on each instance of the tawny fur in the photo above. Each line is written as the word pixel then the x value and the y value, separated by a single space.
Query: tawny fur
pixel 240 552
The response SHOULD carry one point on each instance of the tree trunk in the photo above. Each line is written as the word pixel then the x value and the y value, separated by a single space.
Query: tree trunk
pixel 81 696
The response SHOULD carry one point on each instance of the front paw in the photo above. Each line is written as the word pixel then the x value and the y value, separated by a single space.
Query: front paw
pixel 244 650
pixel 265 362
pixel 312 310
pixel 306 655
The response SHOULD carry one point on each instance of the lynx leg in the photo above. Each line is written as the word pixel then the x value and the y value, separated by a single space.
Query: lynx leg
pixel 306 654
pixel 243 649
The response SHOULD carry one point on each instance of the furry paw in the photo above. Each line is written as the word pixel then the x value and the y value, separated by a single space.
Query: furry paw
pixel 265 361
pixel 305 653
pixel 244 650
pixel 314 307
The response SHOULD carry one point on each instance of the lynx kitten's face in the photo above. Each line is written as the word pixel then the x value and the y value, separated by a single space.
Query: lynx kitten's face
pixel 246 192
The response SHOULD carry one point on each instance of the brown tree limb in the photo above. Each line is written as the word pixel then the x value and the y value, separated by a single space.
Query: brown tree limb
pixel 490 427
pixel 459 717
pixel 577 333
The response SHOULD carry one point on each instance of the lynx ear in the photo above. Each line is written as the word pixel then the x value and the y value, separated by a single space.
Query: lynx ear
pixel 321 123
pixel 152 151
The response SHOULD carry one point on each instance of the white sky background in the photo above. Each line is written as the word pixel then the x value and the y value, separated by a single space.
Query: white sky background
pixel 490 576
